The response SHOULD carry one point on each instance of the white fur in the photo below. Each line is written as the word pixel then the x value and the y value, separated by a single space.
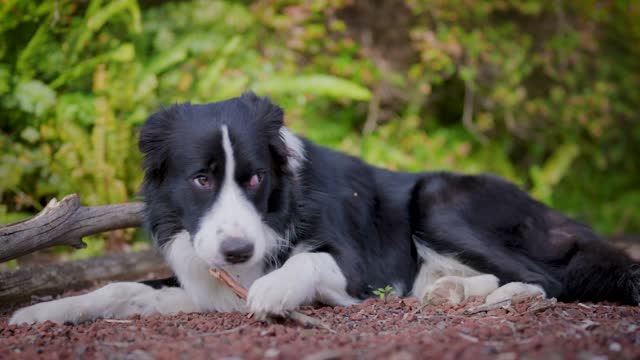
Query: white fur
pixel 115 301
pixel 512 289
pixel 232 215
pixel 434 267
pixel 481 285
pixel 304 278
pixel 444 278
pixel 205 291
pixel 296 155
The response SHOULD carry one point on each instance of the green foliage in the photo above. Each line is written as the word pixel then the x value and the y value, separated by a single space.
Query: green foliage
pixel 384 293
pixel 551 90
pixel 77 80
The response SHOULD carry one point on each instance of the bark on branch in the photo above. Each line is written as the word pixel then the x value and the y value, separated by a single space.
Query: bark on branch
pixel 65 222
pixel 20 285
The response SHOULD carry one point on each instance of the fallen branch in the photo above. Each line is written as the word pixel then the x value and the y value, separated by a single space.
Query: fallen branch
pixel 43 280
pixel 241 292
pixel 65 222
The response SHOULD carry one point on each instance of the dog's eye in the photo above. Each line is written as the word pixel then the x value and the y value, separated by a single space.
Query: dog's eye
pixel 255 180
pixel 202 182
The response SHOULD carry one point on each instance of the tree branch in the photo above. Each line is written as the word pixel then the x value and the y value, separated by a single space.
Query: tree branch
pixel 65 223
pixel 20 285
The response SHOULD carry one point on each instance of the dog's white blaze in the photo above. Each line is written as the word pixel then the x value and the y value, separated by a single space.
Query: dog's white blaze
pixel 206 292
pixel 232 215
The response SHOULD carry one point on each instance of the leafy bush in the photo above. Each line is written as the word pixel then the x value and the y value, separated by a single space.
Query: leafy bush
pixel 543 94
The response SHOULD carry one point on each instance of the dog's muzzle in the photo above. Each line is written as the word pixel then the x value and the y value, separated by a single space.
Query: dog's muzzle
pixel 236 250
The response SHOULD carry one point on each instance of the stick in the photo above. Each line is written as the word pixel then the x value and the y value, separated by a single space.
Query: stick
pixel 504 304
pixel 65 222
pixel 541 305
pixel 22 284
pixel 241 292
pixel 228 280
pixel 486 307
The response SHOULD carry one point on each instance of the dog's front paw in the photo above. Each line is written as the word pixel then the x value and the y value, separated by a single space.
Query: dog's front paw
pixel 48 311
pixel 277 293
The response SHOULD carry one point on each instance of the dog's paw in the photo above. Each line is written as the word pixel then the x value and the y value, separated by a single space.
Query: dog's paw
pixel 449 289
pixel 277 293
pixel 513 289
pixel 455 289
pixel 48 311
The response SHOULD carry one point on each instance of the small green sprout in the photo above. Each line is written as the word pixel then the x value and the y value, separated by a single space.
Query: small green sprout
pixel 384 293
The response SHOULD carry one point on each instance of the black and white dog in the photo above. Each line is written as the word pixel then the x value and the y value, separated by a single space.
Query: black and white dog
pixel 227 185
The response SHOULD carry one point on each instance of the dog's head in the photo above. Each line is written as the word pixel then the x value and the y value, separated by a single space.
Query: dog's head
pixel 222 171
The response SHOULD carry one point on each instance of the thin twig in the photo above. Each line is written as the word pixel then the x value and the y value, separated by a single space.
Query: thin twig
pixel 487 307
pixel 467 114
pixel 228 280
pixel 118 321
pixel 238 289
pixel 373 114
pixel 306 320
pixel 541 305
pixel 468 337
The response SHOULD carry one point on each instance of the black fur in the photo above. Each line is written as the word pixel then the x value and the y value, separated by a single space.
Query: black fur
pixel 160 283
pixel 370 218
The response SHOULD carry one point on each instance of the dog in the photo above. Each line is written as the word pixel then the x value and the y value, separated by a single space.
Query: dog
pixel 227 185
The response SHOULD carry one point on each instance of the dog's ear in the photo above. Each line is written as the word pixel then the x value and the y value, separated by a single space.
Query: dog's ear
pixel 269 115
pixel 270 118
pixel 152 142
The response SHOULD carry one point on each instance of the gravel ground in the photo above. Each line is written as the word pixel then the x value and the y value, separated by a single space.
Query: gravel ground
pixel 394 329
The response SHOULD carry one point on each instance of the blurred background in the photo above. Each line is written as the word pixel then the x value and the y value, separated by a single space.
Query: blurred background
pixel 544 93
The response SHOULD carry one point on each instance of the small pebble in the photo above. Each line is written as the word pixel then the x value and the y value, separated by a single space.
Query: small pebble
pixel 616 347
pixel 271 353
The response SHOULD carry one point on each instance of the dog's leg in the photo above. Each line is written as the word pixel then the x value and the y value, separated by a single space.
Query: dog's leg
pixel 116 301
pixel 490 226
pixel 304 278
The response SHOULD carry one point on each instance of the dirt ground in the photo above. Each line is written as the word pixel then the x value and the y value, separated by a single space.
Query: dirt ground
pixel 394 329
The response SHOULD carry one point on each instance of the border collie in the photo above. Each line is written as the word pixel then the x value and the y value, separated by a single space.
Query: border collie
pixel 227 185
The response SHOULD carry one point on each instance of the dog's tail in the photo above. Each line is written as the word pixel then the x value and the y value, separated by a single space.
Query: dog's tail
pixel 598 271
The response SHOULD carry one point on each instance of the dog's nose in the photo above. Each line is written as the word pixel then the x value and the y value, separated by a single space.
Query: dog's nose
pixel 236 250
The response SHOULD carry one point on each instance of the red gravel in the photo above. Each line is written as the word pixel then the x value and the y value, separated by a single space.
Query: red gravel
pixel 395 329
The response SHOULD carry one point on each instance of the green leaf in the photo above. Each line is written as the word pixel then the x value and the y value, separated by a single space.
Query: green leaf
pixel 124 53
pixel 34 97
pixel 5 77
pixel 30 134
